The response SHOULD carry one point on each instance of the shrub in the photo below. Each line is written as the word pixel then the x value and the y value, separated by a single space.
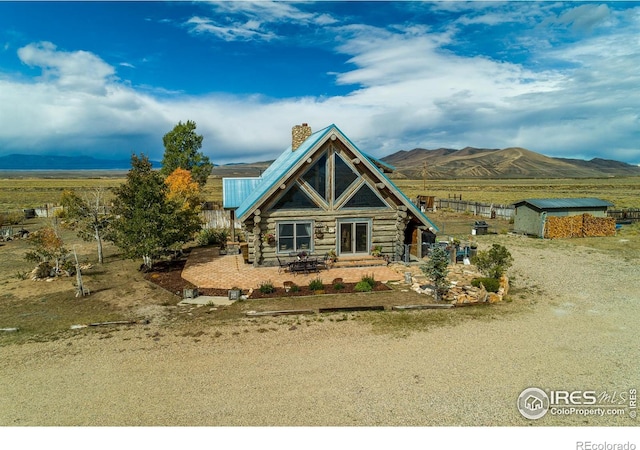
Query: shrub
pixel 494 262
pixel 44 270
pixel 316 285
pixel 11 218
pixel 363 286
pixel 212 236
pixel 294 288
pixel 338 286
pixel 266 287
pixel 490 284
pixel 369 280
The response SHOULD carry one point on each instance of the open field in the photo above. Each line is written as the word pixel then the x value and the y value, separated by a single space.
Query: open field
pixel 31 190
pixel 622 192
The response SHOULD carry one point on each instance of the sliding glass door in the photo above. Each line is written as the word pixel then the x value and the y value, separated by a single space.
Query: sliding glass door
pixel 354 237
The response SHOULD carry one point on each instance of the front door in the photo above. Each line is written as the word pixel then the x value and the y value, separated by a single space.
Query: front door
pixel 354 237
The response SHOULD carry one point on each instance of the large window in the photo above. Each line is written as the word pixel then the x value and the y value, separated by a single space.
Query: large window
pixel 365 198
pixel 295 198
pixel 294 236
pixel 343 176
pixel 317 176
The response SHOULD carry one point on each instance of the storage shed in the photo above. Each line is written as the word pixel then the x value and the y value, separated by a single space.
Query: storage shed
pixel 531 214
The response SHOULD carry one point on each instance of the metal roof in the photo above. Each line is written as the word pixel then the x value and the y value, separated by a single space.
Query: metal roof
pixel 288 161
pixel 235 190
pixel 564 203
pixel 274 173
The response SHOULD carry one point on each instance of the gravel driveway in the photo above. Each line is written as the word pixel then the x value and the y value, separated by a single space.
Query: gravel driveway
pixel 578 331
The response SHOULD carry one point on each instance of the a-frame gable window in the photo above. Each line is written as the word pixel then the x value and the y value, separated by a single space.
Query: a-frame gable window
pixel 316 177
pixel 343 176
pixel 365 197
pixel 295 198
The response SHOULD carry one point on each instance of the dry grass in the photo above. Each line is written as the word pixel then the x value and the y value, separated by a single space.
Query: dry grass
pixel 31 191
pixel 622 192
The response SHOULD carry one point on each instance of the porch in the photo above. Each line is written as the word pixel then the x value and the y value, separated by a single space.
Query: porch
pixel 205 268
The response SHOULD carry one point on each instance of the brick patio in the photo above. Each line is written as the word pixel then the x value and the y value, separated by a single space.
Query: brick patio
pixel 206 269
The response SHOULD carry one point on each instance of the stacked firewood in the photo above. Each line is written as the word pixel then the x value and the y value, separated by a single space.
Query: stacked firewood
pixel 598 226
pixel 584 225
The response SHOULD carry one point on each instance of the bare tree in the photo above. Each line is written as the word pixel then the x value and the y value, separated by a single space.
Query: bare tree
pixel 88 215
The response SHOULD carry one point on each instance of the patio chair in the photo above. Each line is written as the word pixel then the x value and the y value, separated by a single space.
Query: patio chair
pixel 282 265
pixel 323 264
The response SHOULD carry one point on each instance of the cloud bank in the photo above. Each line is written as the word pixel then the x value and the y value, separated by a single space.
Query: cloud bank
pixel 410 84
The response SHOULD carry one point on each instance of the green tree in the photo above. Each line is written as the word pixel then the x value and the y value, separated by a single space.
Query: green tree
pixel 181 150
pixel 147 222
pixel 437 269
pixel 88 216
pixel 493 262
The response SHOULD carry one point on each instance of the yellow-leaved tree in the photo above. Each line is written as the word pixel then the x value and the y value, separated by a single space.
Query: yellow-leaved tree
pixel 183 189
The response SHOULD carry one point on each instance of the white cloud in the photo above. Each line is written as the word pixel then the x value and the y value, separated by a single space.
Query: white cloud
pixel 585 17
pixel 77 70
pixel 411 91
pixel 229 32
pixel 247 20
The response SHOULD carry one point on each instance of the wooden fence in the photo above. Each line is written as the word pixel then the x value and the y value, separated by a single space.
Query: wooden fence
pixel 631 214
pixel 489 210
pixel 218 218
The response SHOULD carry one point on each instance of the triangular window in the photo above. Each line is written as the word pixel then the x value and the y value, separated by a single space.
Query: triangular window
pixel 365 198
pixel 343 176
pixel 317 177
pixel 295 198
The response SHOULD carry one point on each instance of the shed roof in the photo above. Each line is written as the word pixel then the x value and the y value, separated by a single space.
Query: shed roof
pixel 235 190
pixel 564 203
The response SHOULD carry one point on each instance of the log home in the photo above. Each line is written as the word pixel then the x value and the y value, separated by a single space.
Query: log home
pixel 323 194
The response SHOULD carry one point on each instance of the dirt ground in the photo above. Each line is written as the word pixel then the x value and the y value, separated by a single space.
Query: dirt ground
pixel 571 325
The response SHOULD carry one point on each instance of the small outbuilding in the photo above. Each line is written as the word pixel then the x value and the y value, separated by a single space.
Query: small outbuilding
pixel 531 215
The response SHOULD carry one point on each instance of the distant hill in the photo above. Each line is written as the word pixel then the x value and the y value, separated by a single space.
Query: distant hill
pixel 240 170
pixel 512 162
pixel 50 162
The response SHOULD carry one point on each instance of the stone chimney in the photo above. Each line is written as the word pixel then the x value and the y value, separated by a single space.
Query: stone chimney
pixel 299 134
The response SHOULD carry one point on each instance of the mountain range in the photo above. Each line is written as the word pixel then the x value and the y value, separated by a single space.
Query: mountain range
pixel 54 162
pixel 442 163
pixel 511 162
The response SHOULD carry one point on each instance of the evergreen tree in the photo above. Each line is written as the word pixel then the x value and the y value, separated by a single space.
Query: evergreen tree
pixel 147 222
pixel 181 150
pixel 437 269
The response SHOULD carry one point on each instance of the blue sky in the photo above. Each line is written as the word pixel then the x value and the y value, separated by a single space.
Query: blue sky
pixel 110 79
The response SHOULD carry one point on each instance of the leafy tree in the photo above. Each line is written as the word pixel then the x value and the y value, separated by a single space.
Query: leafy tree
pixel 181 150
pixel 493 262
pixel 437 269
pixel 47 247
pixel 147 222
pixel 183 189
pixel 88 215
